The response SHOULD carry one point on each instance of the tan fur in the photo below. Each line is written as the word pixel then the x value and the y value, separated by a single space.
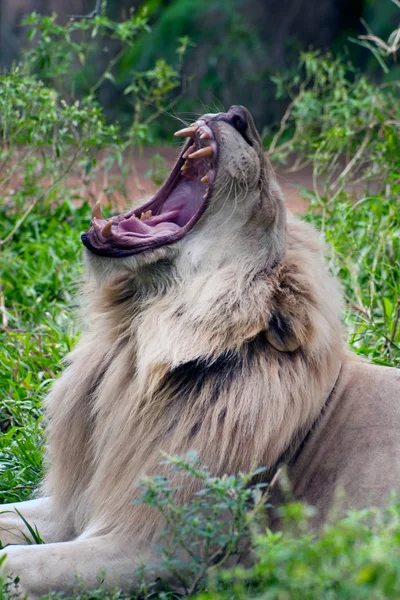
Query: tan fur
pixel 228 342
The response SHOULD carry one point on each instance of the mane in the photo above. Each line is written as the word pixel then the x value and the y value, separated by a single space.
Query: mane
pixel 173 364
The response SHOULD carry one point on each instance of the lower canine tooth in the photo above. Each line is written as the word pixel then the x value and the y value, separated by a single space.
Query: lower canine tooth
pixel 146 215
pixel 205 179
pixel 107 229
pixel 205 136
pixel 206 152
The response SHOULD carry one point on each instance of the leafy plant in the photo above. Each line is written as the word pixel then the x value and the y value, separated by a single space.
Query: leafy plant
pixel 357 559
pixel 212 528
pixel 346 127
pixel 339 120
pixel 52 128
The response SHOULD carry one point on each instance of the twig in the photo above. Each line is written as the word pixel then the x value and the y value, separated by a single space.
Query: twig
pixel 358 154
pixel 19 223
pixel 90 15
pixel 358 309
pixel 283 124
pixel 275 478
pixel 3 310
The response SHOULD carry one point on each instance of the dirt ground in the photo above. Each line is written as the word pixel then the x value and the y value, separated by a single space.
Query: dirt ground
pixel 108 187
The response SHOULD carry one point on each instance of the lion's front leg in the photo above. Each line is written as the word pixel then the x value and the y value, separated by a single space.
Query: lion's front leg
pixel 58 567
pixel 38 515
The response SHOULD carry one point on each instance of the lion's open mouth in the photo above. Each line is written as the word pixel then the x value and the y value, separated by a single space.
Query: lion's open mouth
pixel 172 212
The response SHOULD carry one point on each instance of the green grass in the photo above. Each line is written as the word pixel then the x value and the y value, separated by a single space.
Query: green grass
pixel 41 266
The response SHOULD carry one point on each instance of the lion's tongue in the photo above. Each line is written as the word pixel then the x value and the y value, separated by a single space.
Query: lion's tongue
pixel 177 210
pixel 159 224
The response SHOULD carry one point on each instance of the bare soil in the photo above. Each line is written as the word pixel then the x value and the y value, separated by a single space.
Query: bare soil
pixel 108 187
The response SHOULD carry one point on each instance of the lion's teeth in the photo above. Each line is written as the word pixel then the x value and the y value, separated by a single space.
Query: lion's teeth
pixel 205 195
pixel 185 168
pixel 107 229
pixel 97 225
pixel 146 215
pixel 205 179
pixel 96 214
pixel 205 136
pixel 186 132
pixel 188 151
pixel 206 152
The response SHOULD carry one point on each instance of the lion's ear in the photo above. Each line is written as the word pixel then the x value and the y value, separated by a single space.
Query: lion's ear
pixel 280 333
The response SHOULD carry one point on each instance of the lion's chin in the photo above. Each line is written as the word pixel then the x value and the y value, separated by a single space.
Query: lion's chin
pixel 171 213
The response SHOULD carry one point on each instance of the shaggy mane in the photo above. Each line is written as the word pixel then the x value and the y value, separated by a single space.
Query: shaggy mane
pixel 174 365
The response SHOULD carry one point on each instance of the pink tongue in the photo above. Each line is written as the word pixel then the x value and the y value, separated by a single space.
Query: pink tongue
pixel 157 225
pixel 177 210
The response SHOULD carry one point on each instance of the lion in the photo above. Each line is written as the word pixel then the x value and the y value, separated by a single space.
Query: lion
pixel 211 323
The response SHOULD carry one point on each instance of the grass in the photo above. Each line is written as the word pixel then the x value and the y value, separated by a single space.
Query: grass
pixel 40 269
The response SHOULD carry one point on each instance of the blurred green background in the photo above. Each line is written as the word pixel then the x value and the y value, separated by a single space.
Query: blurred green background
pixel 236 46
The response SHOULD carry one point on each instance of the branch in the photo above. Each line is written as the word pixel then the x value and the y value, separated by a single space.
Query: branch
pixel 90 15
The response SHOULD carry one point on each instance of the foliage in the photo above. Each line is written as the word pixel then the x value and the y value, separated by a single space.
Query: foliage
pixel 84 59
pixel 382 17
pixel 209 530
pixel 347 128
pixel 357 559
pixel 50 130
pixel 40 267
pixel 228 61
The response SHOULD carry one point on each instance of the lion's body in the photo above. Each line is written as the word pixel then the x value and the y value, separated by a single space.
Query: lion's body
pixel 351 457
pixel 228 342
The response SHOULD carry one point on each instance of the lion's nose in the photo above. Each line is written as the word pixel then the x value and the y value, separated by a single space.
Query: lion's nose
pixel 237 118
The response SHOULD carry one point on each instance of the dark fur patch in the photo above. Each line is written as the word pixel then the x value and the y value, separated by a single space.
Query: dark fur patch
pixel 187 381
pixel 280 327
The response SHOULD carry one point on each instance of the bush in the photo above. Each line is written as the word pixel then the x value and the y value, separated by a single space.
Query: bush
pixel 347 128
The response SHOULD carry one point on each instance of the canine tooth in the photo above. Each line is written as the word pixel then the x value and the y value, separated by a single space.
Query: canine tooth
pixel 205 136
pixel 205 179
pixel 205 195
pixel 107 229
pixel 206 152
pixel 186 132
pixel 96 213
pixel 146 215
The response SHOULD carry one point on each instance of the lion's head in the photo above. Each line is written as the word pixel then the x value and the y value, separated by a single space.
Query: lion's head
pixel 220 201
